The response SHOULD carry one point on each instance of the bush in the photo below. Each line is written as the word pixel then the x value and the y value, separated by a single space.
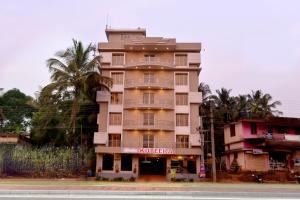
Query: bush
pixel 132 179
pixel 42 162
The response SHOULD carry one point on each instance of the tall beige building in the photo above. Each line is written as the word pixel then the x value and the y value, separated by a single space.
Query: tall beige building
pixel 148 122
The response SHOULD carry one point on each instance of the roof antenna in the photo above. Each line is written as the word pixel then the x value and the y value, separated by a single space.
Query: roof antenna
pixel 106 26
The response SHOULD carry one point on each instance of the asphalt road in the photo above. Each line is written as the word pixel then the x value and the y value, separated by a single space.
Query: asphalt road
pixel 149 195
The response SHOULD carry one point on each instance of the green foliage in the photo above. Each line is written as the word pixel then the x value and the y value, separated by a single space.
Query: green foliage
pixel 41 162
pixel 15 112
pixel 228 108
pixel 67 106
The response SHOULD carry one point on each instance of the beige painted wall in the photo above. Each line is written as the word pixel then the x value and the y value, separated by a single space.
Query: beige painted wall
pixel 194 82
pixel 194 118
pixel 103 117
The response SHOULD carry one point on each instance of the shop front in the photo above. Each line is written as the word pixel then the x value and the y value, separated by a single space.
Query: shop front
pixel 132 163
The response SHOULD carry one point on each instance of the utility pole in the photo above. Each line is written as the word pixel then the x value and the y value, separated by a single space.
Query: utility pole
pixel 212 137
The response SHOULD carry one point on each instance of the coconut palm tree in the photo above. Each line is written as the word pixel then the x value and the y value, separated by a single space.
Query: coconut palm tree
pixel 261 105
pixel 71 70
pixel 224 103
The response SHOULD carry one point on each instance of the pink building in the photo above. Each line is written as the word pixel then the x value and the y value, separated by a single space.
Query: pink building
pixel 263 144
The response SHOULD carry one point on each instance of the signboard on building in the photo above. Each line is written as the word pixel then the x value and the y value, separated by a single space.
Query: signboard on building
pixel 257 151
pixel 149 150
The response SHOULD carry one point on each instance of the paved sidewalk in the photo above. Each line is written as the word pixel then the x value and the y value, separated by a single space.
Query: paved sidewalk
pixel 138 186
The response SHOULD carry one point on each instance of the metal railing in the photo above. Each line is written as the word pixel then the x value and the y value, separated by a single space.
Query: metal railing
pixel 161 103
pixel 150 61
pixel 162 83
pixel 158 125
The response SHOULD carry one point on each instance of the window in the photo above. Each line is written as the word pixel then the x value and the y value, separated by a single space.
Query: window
pixel 182 120
pixel 148 118
pixel 118 59
pixel 148 98
pixel 253 128
pixel 108 162
pixel 297 130
pixel 115 118
pixel 114 140
pixel 181 79
pixel 116 98
pixel 124 36
pixel 185 164
pixel 149 57
pixel 148 77
pixel 235 155
pixel 182 141
pixel 181 60
pixel 148 141
pixel 270 129
pixel 117 78
pixel 181 99
pixel 126 162
pixel 232 130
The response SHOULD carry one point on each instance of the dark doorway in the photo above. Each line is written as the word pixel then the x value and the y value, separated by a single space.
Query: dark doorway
pixel 152 166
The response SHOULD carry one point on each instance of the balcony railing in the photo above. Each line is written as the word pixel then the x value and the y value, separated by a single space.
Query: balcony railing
pixel 152 61
pixel 277 137
pixel 155 83
pixel 156 145
pixel 158 125
pixel 157 104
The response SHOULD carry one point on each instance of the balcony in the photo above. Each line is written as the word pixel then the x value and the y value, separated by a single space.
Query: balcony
pixel 153 84
pixel 158 104
pixel 100 137
pixel 165 125
pixel 195 97
pixel 277 139
pixel 153 63
pixel 103 96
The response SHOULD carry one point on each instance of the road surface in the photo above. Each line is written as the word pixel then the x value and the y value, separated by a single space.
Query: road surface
pixel 140 195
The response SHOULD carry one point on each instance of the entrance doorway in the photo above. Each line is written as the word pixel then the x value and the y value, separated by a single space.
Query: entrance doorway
pixel 152 166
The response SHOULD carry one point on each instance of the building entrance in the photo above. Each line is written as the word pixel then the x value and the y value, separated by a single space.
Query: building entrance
pixel 152 166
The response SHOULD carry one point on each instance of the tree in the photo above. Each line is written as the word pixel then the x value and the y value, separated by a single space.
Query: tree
pixel 76 76
pixel 15 112
pixel 261 105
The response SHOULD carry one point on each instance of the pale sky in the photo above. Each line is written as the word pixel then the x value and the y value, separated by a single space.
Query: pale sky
pixel 247 45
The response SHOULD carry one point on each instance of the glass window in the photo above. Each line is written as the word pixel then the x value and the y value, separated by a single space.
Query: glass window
pixel 184 164
pixel 182 141
pixel 126 162
pixel 148 98
pixel 117 78
pixel 118 59
pixel 149 57
pixel 181 60
pixel 253 128
pixel 148 141
pixel 181 79
pixel 232 130
pixel 148 77
pixel 148 118
pixel 181 99
pixel 116 98
pixel 115 119
pixel 108 162
pixel 182 119
pixel 114 140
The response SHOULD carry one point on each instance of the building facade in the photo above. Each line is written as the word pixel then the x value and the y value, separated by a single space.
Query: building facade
pixel 149 121
pixel 263 144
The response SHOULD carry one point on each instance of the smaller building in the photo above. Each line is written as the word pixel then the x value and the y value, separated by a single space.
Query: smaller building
pixel 263 144
pixel 14 139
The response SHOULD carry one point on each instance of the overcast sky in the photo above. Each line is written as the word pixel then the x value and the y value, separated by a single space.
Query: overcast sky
pixel 247 45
